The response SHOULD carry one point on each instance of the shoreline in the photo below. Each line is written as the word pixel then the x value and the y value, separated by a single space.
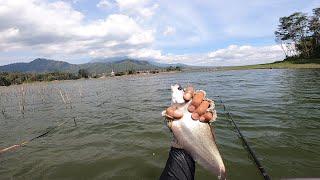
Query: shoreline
pixel 285 64
pixel 275 65
pixel 100 78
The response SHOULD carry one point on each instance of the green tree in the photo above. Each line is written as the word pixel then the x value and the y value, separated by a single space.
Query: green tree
pixel 298 34
pixel 314 26
pixel 4 81
pixel 83 73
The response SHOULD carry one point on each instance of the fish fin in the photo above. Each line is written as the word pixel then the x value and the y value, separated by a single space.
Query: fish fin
pixel 163 113
pixel 213 133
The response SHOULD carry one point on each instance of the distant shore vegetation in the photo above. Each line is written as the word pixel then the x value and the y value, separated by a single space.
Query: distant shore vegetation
pixel 15 78
pixel 10 78
pixel 299 36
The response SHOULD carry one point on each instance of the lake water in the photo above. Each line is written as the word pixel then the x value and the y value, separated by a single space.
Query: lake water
pixel 120 133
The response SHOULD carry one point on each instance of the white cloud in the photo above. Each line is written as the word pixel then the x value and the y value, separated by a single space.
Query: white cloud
pixel 147 54
pixel 186 19
pixel 104 4
pixel 169 31
pixel 51 28
pixel 144 29
pixel 233 55
pixel 141 38
pixel 137 8
pixel 8 33
pixel 243 55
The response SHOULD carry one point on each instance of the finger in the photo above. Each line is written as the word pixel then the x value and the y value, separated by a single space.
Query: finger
pixel 174 112
pixel 206 117
pixel 195 116
pixel 177 114
pixel 170 111
pixel 188 93
pixel 190 89
pixel 197 99
pixel 187 96
pixel 191 108
pixel 202 108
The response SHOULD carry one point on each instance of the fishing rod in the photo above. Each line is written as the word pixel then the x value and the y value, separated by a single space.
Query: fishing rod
pixel 13 147
pixel 245 142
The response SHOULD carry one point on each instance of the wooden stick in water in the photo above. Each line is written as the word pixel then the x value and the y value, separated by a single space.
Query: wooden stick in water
pixel 16 146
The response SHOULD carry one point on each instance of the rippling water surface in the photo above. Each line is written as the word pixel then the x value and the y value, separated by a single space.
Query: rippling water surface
pixel 120 133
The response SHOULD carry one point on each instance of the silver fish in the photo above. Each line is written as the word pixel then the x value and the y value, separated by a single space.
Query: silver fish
pixel 196 137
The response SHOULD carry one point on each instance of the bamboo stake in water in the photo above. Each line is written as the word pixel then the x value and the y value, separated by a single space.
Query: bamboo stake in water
pixel 65 98
pixel 80 93
pixel 3 110
pixel 69 100
pixel 64 101
pixel 16 146
pixel 22 100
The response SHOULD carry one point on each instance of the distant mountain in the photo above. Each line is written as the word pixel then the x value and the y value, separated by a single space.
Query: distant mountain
pixel 167 65
pixel 39 65
pixel 121 58
pixel 42 65
pixel 119 66
pixel 108 60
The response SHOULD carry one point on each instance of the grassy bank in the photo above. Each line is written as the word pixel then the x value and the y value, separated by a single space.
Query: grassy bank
pixel 286 64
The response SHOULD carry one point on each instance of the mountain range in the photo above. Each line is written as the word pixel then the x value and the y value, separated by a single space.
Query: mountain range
pixel 98 66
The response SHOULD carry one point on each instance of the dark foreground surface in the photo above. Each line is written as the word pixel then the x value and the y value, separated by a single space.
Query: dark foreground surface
pixel 121 134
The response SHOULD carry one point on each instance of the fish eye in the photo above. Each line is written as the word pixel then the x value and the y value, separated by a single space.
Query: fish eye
pixel 179 88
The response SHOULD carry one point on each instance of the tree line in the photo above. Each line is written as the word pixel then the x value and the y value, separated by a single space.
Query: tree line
pixel 299 35
pixel 10 78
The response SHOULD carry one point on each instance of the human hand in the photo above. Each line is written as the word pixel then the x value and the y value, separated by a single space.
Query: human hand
pixel 188 118
pixel 198 106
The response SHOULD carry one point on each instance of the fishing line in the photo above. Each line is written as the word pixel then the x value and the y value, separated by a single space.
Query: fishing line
pixel 246 144
pixel 13 147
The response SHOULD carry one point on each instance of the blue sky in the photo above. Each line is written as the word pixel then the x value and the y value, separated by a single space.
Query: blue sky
pixel 202 32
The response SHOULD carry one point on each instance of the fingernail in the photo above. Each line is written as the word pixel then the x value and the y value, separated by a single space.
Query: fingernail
pixel 191 108
pixel 177 114
pixel 187 96
pixel 195 116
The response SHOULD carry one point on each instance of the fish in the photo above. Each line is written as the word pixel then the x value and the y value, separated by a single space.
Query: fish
pixel 197 138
